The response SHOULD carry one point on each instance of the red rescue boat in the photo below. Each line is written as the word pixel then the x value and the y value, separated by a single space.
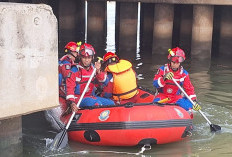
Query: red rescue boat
pixel 130 124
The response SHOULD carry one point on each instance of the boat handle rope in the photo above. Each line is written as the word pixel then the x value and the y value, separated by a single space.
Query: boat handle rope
pixel 145 147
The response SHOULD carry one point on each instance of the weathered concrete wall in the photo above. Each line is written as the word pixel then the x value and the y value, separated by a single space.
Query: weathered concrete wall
pixel 71 22
pixel 28 59
pixel 163 27
pixel 225 31
pixel 126 20
pixel 96 28
pixel 202 32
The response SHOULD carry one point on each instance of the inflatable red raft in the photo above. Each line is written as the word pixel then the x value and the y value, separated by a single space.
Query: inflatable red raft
pixel 130 124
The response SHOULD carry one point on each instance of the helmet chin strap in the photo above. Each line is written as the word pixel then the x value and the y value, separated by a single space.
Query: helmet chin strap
pixel 173 69
pixel 85 66
pixel 72 54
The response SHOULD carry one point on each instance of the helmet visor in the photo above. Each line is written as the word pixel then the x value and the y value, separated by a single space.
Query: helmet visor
pixel 86 52
pixel 177 59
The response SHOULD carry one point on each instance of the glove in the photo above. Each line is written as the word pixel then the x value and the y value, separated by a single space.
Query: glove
pixel 196 106
pixel 168 76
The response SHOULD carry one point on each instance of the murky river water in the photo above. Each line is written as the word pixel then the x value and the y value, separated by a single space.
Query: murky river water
pixel 213 85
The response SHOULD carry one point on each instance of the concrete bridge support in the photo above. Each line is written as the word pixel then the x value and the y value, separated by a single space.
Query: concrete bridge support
pixel 186 28
pixel 11 137
pixel 146 30
pixel 28 73
pixel 96 26
pixel 202 32
pixel 71 22
pixel 126 23
pixel 163 27
pixel 225 31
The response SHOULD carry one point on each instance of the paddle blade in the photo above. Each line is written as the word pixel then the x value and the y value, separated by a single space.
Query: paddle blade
pixel 60 141
pixel 214 128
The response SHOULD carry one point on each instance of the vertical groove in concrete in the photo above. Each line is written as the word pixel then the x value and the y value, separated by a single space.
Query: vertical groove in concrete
pixel 163 27
pixel 96 26
pixel 202 30
pixel 127 22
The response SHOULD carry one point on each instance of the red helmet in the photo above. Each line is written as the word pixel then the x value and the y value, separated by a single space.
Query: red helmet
pixel 109 55
pixel 86 50
pixel 176 55
pixel 72 46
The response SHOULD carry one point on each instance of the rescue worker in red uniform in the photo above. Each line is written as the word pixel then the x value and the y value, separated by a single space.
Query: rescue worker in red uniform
pixel 79 77
pixel 167 88
pixel 121 83
pixel 65 64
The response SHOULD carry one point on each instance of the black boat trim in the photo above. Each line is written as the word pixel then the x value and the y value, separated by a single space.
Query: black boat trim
pixel 131 125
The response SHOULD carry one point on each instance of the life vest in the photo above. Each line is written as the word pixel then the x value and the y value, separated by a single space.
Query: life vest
pixel 82 77
pixel 124 80
pixel 170 88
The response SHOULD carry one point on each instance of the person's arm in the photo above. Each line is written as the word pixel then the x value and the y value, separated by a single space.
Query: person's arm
pixel 100 75
pixel 108 86
pixel 70 86
pixel 158 81
pixel 189 88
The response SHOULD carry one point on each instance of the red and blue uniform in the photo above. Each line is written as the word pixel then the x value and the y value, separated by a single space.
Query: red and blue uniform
pixel 76 83
pixel 65 64
pixel 168 89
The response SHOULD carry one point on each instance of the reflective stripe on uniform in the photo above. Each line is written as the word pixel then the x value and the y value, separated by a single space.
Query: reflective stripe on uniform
pixel 159 82
pixel 70 96
pixel 192 96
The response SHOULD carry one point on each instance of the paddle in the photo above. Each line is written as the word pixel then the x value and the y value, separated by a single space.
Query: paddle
pixel 213 127
pixel 61 139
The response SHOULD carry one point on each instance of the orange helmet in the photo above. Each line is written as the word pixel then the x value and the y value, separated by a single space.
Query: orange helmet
pixel 86 50
pixel 72 46
pixel 176 55
pixel 109 55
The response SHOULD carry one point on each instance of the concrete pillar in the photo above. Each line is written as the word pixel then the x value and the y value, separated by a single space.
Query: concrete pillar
pixel 225 31
pixel 186 28
pixel 163 28
pixel 11 137
pixel 71 22
pixel 28 59
pixel 96 26
pixel 202 30
pixel 126 24
pixel 146 30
